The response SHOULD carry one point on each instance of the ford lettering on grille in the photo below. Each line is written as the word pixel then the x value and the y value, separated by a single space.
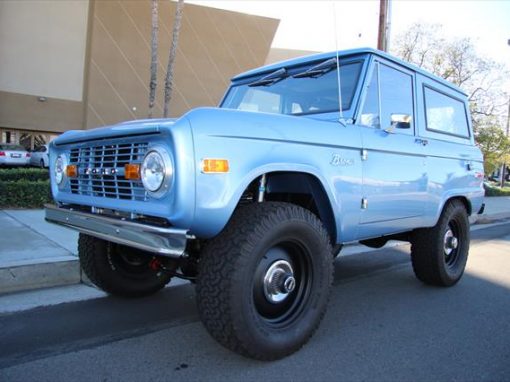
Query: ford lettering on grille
pixel 101 170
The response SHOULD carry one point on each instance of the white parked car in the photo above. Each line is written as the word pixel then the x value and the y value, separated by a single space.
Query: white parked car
pixel 40 157
pixel 13 155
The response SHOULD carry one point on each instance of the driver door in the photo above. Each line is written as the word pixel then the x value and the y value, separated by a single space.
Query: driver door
pixel 394 164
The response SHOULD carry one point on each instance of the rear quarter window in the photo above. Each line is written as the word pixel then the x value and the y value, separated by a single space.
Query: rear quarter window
pixel 445 114
pixel 12 147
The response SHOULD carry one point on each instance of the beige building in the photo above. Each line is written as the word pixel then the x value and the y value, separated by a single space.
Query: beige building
pixel 85 63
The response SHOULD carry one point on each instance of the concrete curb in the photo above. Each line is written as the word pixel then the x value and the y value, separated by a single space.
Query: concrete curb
pixel 47 274
pixel 493 218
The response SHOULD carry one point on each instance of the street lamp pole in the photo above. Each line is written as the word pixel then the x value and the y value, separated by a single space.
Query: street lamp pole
pixel 503 167
pixel 508 115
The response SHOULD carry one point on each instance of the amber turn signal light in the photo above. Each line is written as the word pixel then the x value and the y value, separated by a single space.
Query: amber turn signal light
pixel 71 171
pixel 210 166
pixel 132 171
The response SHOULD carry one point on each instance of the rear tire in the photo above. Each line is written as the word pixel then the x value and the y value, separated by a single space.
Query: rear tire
pixel 439 254
pixel 264 282
pixel 119 270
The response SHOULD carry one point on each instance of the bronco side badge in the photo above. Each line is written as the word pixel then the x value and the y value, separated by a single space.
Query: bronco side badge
pixel 337 160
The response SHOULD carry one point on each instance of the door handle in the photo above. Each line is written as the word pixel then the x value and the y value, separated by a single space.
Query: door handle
pixel 423 142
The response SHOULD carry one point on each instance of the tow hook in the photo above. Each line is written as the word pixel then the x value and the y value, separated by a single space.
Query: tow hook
pixel 170 266
pixel 155 264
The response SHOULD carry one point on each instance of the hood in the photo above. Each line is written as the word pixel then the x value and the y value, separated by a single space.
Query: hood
pixel 124 129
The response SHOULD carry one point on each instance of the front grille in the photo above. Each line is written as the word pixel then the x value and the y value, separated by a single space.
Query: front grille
pixel 101 170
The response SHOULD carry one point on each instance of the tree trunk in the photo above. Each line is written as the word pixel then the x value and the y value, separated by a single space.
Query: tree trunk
pixel 171 57
pixel 154 57
pixel 503 174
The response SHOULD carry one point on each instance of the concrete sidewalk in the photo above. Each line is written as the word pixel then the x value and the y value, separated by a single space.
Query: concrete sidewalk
pixel 496 208
pixel 35 254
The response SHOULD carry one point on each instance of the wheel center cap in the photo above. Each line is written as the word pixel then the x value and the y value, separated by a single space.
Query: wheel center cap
pixel 289 284
pixel 453 243
pixel 450 242
pixel 279 281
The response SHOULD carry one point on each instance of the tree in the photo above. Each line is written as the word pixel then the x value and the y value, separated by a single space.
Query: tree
pixel 154 57
pixel 171 57
pixel 482 79
pixel 495 146
pixel 456 60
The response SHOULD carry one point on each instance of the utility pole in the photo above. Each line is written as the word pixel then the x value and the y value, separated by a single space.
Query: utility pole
pixel 383 39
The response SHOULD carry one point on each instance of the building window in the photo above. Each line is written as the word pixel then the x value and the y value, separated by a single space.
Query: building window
pixel 9 137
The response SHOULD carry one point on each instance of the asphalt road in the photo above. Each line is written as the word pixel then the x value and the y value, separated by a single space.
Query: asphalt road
pixel 382 324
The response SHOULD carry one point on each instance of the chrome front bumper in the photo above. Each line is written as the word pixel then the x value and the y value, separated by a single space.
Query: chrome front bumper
pixel 169 242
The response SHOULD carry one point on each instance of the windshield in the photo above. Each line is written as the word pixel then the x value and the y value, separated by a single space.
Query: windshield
pixel 308 90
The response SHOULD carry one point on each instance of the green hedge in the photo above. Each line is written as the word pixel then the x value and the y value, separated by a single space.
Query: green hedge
pixel 16 174
pixel 496 191
pixel 25 194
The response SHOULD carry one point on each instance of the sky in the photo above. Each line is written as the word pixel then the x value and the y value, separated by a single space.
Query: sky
pixel 310 25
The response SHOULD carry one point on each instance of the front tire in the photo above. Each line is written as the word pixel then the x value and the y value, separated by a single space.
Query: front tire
pixel 264 282
pixel 439 254
pixel 119 270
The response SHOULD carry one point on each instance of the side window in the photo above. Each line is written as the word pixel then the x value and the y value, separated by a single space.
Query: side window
pixel 394 108
pixel 370 113
pixel 396 100
pixel 445 114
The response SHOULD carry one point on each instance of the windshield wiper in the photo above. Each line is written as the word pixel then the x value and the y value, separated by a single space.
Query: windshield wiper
pixel 318 70
pixel 271 78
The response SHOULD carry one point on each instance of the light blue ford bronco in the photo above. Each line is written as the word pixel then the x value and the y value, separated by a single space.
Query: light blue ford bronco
pixel 253 200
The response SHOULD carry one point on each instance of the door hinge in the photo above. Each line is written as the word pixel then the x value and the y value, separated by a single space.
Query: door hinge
pixel 364 203
pixel 364 154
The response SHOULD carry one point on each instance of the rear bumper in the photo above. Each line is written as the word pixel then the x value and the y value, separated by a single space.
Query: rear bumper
pixel 170 242
pixel 6 161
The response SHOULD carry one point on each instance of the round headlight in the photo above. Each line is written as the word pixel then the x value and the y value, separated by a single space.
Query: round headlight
pixel 60 166
pixel 153 171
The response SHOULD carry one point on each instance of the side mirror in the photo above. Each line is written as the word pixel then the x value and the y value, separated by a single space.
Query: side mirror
pixel 401 121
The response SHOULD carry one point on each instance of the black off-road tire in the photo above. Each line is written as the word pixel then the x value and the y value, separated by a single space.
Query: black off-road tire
pixel 105 265
pixel 234 296
pixel 435 260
